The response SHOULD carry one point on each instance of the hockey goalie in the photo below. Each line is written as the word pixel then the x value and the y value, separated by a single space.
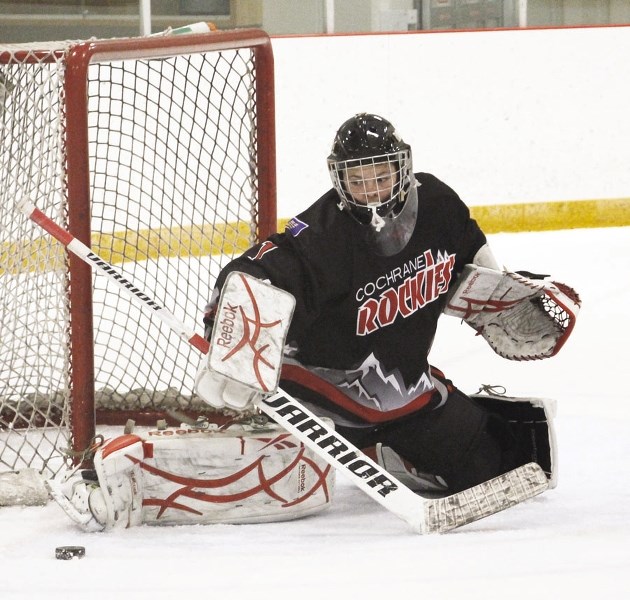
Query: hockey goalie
pixel 340 311
pixel 372 265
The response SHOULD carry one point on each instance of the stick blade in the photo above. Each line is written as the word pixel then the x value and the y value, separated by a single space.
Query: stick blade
pixel 485 499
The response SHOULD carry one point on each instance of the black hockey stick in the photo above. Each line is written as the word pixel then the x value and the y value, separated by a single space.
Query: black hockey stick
pixel 423 515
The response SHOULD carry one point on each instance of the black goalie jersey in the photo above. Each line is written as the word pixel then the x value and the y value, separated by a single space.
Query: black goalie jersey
pixel 364 323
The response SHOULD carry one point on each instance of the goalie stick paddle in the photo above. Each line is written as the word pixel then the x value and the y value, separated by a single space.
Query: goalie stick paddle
pixel 422 514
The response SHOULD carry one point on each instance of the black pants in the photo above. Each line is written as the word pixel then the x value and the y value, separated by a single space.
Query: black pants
pixel 459 441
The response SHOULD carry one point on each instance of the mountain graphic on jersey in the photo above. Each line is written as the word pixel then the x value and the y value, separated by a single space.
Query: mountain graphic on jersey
pixel 371 386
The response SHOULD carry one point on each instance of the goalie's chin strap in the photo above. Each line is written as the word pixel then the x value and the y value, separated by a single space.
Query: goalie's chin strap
pixel 377 221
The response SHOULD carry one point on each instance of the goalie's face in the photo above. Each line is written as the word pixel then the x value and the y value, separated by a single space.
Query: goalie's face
pixel 374 187
pixel 371 170
pixel 371 184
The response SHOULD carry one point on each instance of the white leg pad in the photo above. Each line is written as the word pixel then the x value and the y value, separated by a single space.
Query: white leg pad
pixel 198 476
pixel 231 477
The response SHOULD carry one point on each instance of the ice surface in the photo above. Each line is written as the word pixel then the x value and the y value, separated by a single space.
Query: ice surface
pixel 572 542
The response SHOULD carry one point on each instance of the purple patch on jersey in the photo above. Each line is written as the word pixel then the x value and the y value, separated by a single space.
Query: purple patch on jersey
pixel 295 226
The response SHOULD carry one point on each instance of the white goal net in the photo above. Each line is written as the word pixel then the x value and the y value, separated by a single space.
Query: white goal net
pixel 159 153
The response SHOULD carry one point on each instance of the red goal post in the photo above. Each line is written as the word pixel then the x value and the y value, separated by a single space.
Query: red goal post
pixel 158 152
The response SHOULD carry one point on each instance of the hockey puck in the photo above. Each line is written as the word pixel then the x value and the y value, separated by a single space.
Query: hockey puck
pixel 69 552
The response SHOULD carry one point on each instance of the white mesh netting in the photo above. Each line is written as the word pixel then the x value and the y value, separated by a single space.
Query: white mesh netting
pixel 172 145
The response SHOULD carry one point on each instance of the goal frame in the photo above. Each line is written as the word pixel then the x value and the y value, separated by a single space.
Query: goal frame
pixel 83 414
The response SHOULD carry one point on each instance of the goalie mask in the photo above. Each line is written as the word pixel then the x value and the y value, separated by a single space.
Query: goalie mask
pixel 371 170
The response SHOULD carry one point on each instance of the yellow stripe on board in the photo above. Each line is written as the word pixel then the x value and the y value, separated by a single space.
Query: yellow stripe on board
pixel 547 216
pixel 35 256
pixel 46 254
pixel 176 242
pixel 40 255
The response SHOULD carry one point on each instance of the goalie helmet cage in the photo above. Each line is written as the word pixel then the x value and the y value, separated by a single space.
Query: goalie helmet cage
pixel 159 152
